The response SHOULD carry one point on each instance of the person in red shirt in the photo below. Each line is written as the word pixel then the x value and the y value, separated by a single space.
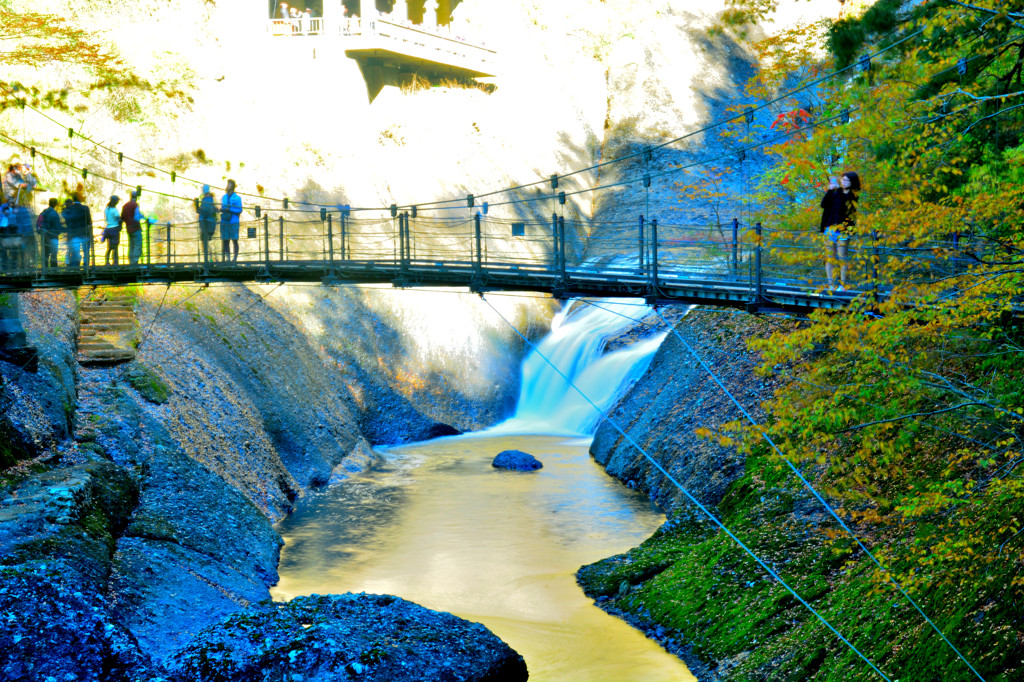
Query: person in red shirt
pixel 131 216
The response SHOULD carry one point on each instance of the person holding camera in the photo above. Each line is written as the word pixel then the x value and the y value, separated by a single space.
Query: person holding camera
pixel 838 216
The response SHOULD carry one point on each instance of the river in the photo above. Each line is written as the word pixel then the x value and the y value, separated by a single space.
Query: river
pixel 434 523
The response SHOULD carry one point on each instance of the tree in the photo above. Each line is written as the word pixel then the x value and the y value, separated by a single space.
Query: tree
pixel 909 413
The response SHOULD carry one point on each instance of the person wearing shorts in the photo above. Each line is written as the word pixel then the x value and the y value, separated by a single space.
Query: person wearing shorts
pixel 839 212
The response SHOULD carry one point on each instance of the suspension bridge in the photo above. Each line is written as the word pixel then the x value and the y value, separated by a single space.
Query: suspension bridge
pixel 729 265
pixel 751 267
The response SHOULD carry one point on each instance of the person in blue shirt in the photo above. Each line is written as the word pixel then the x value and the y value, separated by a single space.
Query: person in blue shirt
pixel 230 210
pixel 78 220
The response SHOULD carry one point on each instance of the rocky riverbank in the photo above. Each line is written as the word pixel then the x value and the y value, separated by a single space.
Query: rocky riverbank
pixel 664 413
pixel 138 500
pixel 690 586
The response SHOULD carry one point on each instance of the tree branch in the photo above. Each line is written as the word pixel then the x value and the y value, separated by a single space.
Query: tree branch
pixel 914 415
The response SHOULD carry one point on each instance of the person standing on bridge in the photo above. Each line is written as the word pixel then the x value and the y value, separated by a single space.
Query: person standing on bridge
pixel 112 229
pixel 50 231
pixel 8 243
pixel 839 213
pixel 207 210
pixel 78 220
pixel 131 216
pixel 230 210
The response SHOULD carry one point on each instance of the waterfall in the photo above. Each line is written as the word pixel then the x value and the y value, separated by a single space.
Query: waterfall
pixel 547 403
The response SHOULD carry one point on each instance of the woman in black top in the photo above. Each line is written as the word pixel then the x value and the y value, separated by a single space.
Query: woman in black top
pixel 838 215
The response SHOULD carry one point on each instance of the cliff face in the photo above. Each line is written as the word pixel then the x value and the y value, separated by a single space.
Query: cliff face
pixel 675 398
pixel 667 585
pixel 154 485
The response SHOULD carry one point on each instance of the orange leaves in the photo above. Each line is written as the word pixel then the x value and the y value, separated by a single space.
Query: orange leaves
pixel 790 120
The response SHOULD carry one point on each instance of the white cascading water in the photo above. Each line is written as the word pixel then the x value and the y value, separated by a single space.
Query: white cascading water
pixel 547 403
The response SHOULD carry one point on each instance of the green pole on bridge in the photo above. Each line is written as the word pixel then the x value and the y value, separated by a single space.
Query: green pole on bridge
pixel 640 244
pixel 757 265
pixel 403 236
pixel 478 264
pixel 735 246
pixel 554 238
pixel 280 238
pixel 330 238
pixel 654 256
pixel 561 250
pixel 344 225
pixel 266 239
pixel 168 243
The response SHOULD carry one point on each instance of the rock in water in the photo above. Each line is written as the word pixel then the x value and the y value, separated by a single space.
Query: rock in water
pixel 516 460
pixel 367 637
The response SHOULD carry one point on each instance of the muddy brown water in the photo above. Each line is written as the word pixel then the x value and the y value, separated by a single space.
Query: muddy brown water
pixel 434 523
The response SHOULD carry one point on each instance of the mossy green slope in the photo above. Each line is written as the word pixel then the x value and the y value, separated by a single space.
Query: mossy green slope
pixel 695 585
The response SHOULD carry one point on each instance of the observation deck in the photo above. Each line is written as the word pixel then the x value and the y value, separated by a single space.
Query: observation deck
pixel 391 50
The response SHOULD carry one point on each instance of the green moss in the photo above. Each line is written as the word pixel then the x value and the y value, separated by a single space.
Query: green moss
pixel 149 385
pixel 151 527
pixel 10 478
pixel 88 543
pixel 708 594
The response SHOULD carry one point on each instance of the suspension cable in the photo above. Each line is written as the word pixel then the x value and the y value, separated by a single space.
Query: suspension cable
pixel 813 491
pixel 689 495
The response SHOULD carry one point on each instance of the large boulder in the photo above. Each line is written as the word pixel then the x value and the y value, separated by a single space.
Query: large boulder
pixel 73 515
pixel 195 551
pixel 52 630
pixel 364 637
pixel 516 460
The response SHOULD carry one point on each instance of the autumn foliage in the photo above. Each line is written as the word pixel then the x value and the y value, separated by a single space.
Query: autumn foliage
pixel 908 408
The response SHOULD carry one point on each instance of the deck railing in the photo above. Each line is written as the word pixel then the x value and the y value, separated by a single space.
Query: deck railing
pixel 423 41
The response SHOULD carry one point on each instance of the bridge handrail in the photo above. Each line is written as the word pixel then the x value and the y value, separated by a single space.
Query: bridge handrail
pixel 683 256
pixel 356 27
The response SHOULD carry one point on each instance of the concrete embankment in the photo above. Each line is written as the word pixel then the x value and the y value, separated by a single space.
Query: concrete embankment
pixel 143 494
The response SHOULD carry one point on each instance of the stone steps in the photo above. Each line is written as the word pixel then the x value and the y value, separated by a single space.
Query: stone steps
pixel 106 329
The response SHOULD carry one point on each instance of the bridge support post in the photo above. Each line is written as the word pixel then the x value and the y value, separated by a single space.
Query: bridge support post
pixel 280 238
pixel 403 236
pixel 266 239
pixel 758 298
pixel 654 257
pixel 478 262
pixel 168 244
pixel 344 247
pixel 735 246
pixel 149 249
pixel 640 245
pixel 562 278
pixel 330 238
pixel 554 240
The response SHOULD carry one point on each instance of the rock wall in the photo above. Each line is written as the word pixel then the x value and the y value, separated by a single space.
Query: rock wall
pixel 677 396
pixel 149 489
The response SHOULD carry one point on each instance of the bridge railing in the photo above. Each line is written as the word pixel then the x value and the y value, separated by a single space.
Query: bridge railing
pixel 414 39
pixel 647 254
